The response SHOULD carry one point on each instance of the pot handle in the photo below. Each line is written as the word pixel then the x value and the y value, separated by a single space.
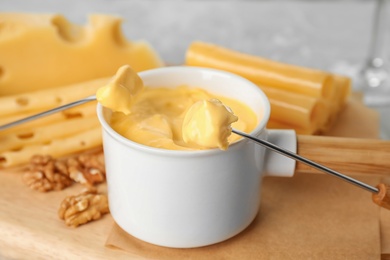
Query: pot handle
pixel 275 163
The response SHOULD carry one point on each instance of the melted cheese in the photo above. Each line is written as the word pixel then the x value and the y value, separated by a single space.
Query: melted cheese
pixel 157 119
pixel 207 123
pixel 119 93
pixel 179 118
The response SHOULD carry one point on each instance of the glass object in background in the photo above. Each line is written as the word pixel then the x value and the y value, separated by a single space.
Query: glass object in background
pixel 375 74
pixel 374 77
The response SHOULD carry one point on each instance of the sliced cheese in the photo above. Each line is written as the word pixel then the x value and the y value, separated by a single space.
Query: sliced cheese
pixel 261 71
pixel 297 109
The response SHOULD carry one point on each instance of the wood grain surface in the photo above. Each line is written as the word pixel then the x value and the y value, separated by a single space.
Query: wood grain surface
pixel 30 228
pixel 346 155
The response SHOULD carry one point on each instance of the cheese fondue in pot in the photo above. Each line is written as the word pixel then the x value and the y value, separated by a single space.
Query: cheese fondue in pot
pixel 180 118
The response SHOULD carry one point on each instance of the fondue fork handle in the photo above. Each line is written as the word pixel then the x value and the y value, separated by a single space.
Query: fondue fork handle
pixel 306 161
pixel 380 194
pixel 345 154
pixel 48 112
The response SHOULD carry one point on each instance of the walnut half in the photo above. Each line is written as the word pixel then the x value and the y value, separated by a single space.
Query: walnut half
pixel 83 208
pixel 45 174
pixel 87 169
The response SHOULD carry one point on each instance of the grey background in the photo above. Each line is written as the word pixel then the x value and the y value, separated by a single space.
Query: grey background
pixel 320 34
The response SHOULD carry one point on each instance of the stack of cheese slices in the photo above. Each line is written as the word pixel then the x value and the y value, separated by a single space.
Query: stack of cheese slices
pixel 46 61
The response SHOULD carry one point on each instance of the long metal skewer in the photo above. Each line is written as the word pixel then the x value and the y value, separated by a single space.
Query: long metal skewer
pixel 48 112
pixel 267 144
pixel 306 161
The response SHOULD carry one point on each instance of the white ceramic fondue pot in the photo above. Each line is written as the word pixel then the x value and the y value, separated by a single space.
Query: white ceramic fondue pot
pixel 188 199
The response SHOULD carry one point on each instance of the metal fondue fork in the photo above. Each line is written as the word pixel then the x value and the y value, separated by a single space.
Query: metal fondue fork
pixel 304 160
pixel 48 112
pixel 267 144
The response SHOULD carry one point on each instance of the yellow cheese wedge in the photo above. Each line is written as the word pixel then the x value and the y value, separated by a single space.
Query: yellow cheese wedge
pixel 46 50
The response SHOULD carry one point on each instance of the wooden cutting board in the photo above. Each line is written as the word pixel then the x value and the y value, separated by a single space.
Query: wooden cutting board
pixel 30 227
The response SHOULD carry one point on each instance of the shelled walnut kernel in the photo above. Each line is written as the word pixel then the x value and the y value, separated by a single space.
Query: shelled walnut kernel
pixel 87 168
pixel 83 208
pixel 45 174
